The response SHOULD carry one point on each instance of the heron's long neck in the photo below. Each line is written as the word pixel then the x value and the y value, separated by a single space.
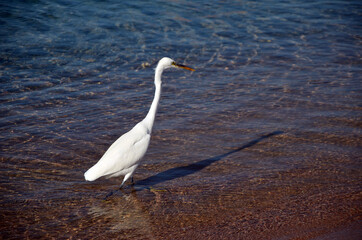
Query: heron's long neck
pixel 150 118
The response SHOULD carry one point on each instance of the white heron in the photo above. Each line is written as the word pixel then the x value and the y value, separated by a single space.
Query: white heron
pixel 125 154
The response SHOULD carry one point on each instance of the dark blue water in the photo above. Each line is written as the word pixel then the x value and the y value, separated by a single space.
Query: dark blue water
pixel 261 141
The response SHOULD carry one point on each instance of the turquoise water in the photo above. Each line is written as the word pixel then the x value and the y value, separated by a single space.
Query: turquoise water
pixel 263 139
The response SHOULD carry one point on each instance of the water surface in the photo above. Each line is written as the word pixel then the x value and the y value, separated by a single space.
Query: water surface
pixel 263 141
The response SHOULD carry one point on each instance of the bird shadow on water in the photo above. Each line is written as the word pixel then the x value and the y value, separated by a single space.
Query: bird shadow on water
pixel 183 171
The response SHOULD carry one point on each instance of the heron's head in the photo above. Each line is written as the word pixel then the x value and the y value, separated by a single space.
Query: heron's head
pixel 166 63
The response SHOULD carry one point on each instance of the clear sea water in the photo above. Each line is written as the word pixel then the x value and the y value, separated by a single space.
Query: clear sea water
pixel 262 141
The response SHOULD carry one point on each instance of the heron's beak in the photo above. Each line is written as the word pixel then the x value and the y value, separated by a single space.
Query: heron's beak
pixel 183 66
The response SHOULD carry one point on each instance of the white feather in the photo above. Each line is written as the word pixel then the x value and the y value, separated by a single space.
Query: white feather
pixel 125 154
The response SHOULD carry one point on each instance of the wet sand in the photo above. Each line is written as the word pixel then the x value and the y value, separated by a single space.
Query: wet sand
pixel 185 202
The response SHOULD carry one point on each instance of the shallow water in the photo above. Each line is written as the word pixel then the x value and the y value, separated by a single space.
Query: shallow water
pixel 262 141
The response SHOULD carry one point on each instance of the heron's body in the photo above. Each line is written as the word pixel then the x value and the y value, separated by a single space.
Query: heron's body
pixel 125 154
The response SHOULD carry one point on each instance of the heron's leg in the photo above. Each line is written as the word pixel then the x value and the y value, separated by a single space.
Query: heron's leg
pixel 122 184
pixel 128 175
pixel 108 195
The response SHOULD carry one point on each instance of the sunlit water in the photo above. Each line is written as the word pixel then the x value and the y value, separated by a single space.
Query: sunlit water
pixel 262 141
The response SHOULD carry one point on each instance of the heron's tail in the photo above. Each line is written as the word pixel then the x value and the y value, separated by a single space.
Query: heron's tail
pixel 92 174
